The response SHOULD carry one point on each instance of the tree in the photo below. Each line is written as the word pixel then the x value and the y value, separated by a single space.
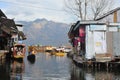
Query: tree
pixel 88 9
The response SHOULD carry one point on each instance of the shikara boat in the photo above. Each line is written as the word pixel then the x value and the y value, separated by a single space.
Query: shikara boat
pixel 59 53
pixel 19 51
pixel 31 56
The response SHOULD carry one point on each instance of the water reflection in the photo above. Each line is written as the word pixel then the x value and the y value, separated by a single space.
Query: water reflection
pixel 17 70
pixel 4 70
pixel 11 70
pixel 50 67
pixel 47 67
pixel 78 73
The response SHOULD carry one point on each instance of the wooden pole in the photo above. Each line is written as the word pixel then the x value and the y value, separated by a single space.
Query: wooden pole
pixel 115 17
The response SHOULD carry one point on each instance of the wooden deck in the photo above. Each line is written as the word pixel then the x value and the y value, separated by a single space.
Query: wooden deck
pixel 95 64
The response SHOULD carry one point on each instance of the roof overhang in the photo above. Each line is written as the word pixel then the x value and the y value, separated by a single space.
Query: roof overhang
pixel 20 33
pixel 114 24
pixel 88 22
pixel 8 25
pixel 2 15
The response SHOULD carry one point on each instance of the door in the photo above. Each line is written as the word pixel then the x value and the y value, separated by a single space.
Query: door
pixel 100 42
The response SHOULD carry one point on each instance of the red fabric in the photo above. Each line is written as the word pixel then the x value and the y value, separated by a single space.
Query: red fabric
pixel 75 42
pixel 82 34
pixel 82 40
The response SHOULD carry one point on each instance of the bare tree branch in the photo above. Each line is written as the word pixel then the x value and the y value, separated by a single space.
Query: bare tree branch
pixel 82 8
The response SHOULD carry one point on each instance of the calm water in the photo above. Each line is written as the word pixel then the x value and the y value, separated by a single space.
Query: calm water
pixel 47 67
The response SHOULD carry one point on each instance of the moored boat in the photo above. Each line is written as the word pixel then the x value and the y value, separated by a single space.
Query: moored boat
pixel 19 51
pixel 31 56
pixel 59 53
pixel 49 49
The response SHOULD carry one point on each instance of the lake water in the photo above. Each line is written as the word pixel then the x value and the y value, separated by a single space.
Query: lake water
pixel 49 67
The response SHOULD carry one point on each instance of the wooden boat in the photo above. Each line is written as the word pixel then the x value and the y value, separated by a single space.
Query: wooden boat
pixel 48 49
pixel 60 53
pixel 31 56
pixel 19 51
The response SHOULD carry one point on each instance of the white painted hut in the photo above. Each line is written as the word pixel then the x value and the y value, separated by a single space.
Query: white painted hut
pixel 98 39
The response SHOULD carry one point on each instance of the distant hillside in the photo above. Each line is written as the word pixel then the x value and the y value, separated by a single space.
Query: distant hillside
pixel 44 32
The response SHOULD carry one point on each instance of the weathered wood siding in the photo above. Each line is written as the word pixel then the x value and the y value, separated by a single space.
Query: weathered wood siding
pixel 116 43
pixel 109 38
pixel 113 43
pixel 118 16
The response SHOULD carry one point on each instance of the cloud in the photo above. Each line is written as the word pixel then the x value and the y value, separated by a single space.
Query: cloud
pixel 31 9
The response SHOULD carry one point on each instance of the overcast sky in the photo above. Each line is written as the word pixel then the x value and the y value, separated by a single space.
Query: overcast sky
pixel 30 10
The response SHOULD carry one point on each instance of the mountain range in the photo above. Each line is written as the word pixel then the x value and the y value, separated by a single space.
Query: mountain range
pixel 44 32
